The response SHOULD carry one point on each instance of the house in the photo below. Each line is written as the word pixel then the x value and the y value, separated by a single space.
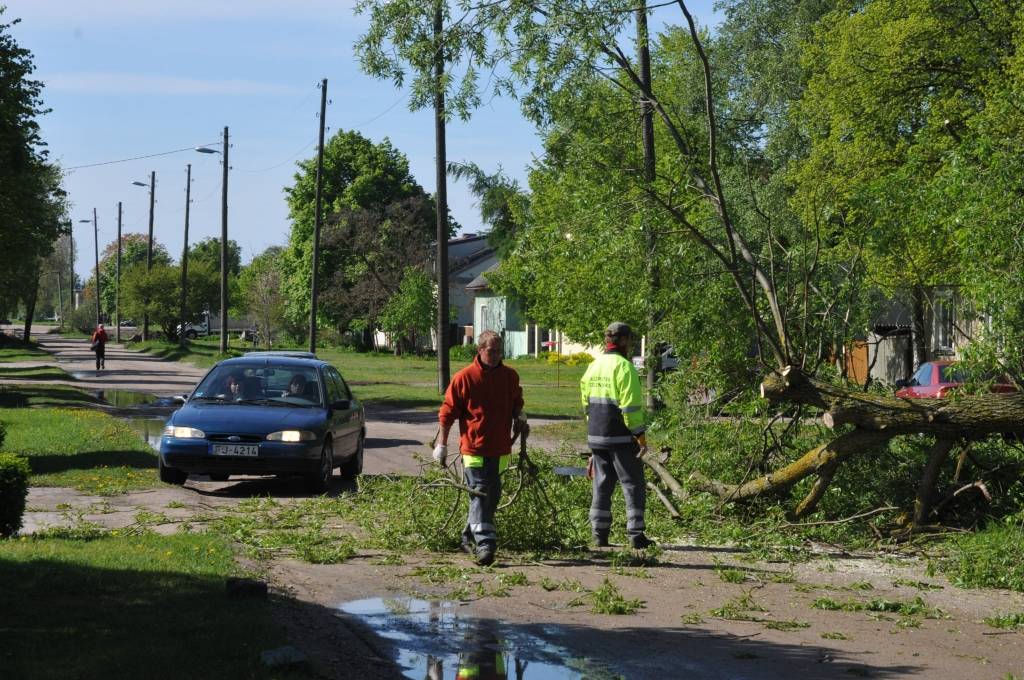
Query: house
pixel 887 350
pixel 469 256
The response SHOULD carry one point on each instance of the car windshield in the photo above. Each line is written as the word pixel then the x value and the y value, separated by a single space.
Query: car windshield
pixel 923 375
pixel 261 384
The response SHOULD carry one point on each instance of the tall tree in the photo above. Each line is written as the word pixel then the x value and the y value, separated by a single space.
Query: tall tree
pixel 261 287
pixel 360 180
pixel 428 41
pixel 502 202
pixel 133 253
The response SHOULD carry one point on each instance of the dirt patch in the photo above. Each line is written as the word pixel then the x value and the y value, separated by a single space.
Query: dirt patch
pixel 707 612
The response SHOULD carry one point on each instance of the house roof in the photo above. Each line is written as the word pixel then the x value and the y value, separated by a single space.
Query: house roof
pixel 481 282
pixel 893 314
pixel 456 266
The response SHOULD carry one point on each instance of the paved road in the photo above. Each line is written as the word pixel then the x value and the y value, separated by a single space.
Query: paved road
pixel 394 437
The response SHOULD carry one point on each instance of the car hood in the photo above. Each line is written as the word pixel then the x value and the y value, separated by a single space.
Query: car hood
pixel 248 419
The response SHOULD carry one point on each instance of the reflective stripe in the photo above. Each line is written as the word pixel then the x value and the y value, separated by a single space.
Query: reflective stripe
pixel 630 409
pixel 482 528
pixel 604 400
pixel 595 512
pixel 471 461
pixel 601 523
pixel 595 440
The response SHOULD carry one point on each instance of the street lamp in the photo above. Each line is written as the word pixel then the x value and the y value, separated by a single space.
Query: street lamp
pixel 149 246
pixel 96 245
pixel 223 239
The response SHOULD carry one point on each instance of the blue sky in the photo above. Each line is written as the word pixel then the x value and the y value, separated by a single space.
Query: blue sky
pixel 128 78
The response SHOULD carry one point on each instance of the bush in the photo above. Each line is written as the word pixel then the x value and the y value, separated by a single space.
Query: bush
pixel 14 473
pixel 462 352
pixel 567 359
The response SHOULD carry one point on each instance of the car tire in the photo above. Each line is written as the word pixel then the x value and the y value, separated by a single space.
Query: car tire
pixel 219 477
pixel 191 334
pixel 353 467
pixel 170 475
pixel 320 480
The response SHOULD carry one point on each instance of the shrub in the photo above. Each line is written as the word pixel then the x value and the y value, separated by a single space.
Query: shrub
pixel 567 359
pixel 14 473
pixel 462 352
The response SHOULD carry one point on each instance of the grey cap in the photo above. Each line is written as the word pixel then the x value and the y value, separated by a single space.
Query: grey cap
pixel 617 329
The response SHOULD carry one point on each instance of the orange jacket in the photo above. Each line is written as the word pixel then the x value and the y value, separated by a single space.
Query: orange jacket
pixel 100 336
pixel 484 401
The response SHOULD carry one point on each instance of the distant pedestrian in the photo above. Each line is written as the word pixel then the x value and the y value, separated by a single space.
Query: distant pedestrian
pixel 99 346
pixel 616 436
pixel 487 401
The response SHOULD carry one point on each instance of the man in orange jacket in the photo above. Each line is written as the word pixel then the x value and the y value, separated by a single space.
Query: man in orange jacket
pixel 487 401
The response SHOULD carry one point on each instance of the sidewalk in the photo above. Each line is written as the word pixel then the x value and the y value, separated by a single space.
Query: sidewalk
pixel 125 369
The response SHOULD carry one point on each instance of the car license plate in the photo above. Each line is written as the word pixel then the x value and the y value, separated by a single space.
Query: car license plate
pixel 236 449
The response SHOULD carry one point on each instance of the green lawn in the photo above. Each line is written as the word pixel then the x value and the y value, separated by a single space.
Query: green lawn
pixel 35 373
pixel 21 351
pixel 84 449
pixel 101 605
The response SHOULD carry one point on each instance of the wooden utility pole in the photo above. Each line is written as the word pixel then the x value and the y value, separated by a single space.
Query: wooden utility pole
pixel 441 199
pixel 652 357
pixel 60 300
pixel 71 246
pixel 318 219
pixel 117 279
pixel 96 247
pixel 184 256
pixel 224 250
pixel 149 249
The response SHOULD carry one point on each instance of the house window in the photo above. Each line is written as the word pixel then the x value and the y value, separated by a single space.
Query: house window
pixel 942 321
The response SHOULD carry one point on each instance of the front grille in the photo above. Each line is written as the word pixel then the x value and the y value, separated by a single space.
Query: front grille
pixel 235 438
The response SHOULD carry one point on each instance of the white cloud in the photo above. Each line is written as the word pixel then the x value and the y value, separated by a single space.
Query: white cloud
pixel 128 83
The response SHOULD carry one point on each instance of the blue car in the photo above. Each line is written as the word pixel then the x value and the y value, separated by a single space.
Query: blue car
pixel 266 413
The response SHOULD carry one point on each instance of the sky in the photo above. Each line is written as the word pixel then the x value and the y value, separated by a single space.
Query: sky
pixel 131 78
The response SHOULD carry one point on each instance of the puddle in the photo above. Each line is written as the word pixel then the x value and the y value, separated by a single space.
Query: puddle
pixel 127 398
pixel 149 429
pixel 434 642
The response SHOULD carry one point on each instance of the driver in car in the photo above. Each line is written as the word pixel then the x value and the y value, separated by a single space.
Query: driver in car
pixel 296 386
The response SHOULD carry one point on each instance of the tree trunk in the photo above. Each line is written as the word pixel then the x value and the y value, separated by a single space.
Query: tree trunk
pixel 30 306
pixel 920 333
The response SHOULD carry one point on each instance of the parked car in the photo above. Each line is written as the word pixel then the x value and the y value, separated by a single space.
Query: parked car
pixel 936 379
pixel 667 358
pixel 266 413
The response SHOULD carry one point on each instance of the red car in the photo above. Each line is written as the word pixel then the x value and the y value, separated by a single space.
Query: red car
pixel 935 380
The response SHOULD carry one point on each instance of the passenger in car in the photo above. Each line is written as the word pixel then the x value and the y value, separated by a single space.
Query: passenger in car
pixel 296 386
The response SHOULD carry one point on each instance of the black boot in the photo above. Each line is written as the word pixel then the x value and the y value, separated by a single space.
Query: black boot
pixel 600 539
pixel 485 554
pixel 641 542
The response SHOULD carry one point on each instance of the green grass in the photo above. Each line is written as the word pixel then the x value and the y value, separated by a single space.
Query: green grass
pixel 21 351
pixel 201 352
pixel 142 606
pixel 989 558
pixel 24 395
pixel 86 450
pixel 34 374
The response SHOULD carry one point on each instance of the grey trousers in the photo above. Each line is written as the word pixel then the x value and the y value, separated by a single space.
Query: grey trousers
pixel 611 466
pixel 480 523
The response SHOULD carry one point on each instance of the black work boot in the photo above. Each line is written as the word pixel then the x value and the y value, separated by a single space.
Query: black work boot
pixel 468 544
pixel 600 539
pixel 641 542
pixel 485 554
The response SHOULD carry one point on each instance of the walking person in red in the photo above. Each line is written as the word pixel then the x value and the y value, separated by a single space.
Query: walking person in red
pixel 99 345
pixel 487 401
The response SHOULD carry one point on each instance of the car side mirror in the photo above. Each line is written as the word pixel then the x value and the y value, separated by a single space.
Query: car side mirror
pixel 341 404
pixel 180 398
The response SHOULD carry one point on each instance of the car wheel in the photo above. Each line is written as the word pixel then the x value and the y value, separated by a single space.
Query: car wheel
pixel 219 477
pixel 171 475
pixel 353 467
pixel 320 480
pixel 191 334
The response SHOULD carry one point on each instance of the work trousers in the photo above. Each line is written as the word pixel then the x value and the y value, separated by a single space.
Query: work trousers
pixel 485 478
pixel 611 466
pixel 101 356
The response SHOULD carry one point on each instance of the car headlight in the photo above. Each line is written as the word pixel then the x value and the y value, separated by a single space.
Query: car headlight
pixel 184 432
pixel 291 436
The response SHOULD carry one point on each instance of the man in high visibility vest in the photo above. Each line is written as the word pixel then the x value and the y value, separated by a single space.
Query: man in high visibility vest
pixel 616 427
pixel 487 401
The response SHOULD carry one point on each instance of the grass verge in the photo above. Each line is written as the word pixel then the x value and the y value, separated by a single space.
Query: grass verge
pixel 148 606
pixel 15 350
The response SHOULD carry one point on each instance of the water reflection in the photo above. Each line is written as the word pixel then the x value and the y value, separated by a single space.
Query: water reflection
pixel 435 644
pixel 150 429
pixel 128 398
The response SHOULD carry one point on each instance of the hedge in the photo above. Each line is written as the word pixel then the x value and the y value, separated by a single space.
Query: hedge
pixel 14 472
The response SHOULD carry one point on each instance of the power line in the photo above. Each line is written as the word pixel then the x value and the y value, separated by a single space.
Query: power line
pixel 135 158
pixel 277 165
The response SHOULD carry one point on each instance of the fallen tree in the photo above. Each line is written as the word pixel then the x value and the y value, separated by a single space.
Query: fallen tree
pixel 875 419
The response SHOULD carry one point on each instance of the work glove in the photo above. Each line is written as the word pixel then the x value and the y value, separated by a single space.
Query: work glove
pixel 519 423
pixel 590 467
pixel 441 455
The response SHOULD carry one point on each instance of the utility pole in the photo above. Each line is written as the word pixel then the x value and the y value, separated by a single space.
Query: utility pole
pixel 149 249
pixel 319 217
pixel 184 255
pixel 96 246
pixel 441 199
pixel 652 358
pixel 60 300
pixel 71 245
pixel 224 250
pixel 117 279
